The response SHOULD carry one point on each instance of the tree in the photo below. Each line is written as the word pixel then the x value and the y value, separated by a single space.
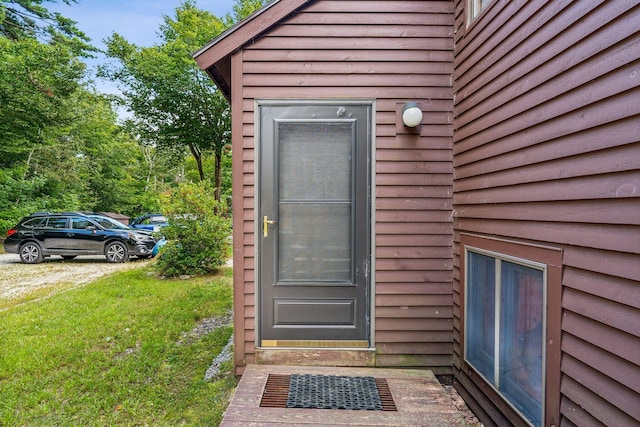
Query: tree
pixel 39 72
pixel 175 107
pixel 35 81
pixel 110 164
pixel 242 9
pixel 28 19
pixel 60 145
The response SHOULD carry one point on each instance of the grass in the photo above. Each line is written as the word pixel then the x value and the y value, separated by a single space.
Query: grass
pixel 108 353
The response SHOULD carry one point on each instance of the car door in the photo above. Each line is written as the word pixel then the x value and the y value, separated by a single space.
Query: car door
pixel 53 235
pixel 85 237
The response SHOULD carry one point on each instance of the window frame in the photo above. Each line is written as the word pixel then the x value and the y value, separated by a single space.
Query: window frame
pixel 57 220
pixel 498 286
pixel 475 8
pixel 527 254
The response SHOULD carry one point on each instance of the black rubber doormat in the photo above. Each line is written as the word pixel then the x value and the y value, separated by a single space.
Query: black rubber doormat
pixel 327 392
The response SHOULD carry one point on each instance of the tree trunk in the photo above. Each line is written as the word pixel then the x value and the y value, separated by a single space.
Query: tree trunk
pixel 197 154
pixel 200 170
pixel 218 178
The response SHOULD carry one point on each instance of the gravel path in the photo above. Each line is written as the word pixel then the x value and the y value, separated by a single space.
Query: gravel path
pixel 17 279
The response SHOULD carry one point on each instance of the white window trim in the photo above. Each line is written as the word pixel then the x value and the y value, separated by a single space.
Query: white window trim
pixel 475 9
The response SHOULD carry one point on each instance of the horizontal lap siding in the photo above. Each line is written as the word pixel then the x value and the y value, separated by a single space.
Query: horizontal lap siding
pixel 546 150
pixel 391 52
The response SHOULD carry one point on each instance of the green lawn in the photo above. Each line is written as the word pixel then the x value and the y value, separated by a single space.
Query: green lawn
pixel 110 353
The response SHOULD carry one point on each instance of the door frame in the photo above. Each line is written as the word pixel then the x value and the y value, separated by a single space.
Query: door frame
pixel 257 221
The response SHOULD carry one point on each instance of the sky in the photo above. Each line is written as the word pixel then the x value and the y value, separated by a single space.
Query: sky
pixel 138 21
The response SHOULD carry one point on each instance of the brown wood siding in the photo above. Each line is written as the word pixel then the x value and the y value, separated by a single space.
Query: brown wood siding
pixel 390 52
pixel 546 151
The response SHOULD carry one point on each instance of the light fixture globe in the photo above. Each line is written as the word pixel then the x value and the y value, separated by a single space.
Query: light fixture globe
pixel 411 114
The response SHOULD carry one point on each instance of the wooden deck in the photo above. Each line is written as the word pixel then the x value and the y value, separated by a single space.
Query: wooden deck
pixel 419 398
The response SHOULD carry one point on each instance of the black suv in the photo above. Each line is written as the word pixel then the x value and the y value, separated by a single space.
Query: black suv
pixel 70 234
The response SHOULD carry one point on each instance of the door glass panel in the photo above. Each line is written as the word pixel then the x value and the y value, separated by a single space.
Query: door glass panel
pixel 315 161
pixel 315 242
pixel 314 202
pixel 80 223
pixel 57 223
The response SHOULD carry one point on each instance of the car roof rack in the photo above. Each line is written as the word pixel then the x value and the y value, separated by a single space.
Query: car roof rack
pixel 56 213
pixel 69 213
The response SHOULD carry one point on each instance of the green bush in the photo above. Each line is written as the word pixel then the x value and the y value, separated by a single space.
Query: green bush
pixel 197 234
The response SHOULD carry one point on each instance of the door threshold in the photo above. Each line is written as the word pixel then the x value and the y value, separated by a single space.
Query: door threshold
pixel 315 343
pixel 336 356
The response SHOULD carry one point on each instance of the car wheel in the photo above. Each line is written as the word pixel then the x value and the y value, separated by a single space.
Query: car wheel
pixel 30 253
pixel 116 252
pixel 69 256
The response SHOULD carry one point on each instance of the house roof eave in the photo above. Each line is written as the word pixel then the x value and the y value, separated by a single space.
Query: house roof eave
pixel 230 32
pixel 220 73
pixel 216 54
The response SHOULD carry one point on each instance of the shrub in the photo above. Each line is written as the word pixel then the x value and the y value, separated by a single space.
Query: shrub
pixel 197 234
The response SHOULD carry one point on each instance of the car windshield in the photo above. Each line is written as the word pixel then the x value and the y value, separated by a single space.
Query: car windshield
pixel 109 223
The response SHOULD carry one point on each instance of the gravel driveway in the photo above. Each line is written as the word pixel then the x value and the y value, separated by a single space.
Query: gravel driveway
pixel 17 279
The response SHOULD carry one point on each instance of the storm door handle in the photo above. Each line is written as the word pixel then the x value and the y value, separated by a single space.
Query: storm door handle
pixel 265 225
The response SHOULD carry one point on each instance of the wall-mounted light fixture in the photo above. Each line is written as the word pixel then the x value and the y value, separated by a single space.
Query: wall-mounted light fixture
pixel 411 114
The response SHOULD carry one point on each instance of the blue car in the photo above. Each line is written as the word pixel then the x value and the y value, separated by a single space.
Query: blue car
pixel 159 244
pixel 150 222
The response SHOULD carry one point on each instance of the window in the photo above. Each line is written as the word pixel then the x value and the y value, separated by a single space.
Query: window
pixel 34 223
pixel 57 223
pixel 477 6
pixel 505 324
pixel 80 223
pixel 109 224
pixel 158 219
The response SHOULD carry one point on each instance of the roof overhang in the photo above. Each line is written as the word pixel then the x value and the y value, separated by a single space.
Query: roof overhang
pixel 215 57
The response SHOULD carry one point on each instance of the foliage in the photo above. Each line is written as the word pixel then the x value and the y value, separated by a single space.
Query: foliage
pixel 197 233
pixel 29 19
pixel 61 147
pixel 113 353
pixel 36 80
pixel 242 9
pixel 226 180
pixel 37 83
pixel 114 167
pixel 86 162
pixel 175 106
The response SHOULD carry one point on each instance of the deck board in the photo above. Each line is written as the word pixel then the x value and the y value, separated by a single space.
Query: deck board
pixel 419 397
